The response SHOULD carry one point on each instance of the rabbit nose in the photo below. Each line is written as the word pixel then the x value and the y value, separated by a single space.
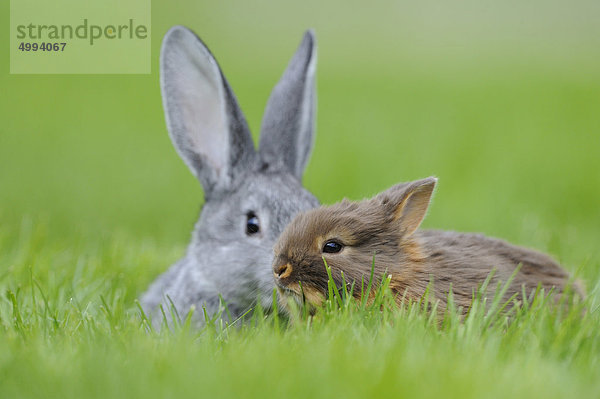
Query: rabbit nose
pixel 283 271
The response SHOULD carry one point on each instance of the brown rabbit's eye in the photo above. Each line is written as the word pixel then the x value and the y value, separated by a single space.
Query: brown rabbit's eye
pixel 332 247
pixel 252 224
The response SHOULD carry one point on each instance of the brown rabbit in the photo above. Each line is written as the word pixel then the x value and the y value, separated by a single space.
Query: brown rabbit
pixel 348 234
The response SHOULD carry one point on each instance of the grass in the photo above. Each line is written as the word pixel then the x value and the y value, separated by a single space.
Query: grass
pixel 76 334
pixel 498 100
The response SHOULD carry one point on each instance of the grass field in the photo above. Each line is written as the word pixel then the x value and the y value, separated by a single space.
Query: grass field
pixel 500 101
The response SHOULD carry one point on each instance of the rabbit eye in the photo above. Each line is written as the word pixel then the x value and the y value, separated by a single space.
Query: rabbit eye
pixel 252 224
pixel 332 247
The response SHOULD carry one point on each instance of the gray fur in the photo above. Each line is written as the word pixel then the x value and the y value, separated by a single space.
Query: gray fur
pixel 204 121
pixel 290 113
pixel 211 135
pixel 386 226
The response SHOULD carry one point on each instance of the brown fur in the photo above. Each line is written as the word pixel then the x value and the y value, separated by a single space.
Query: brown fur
pixel 386 226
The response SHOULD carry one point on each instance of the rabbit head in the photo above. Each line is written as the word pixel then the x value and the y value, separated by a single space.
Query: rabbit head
pixel 250 195
pixel 347 235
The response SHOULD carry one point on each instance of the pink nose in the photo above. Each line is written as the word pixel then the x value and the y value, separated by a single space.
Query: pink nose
pixel 282 271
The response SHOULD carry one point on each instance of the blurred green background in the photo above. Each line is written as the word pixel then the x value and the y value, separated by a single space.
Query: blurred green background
pixel 500 100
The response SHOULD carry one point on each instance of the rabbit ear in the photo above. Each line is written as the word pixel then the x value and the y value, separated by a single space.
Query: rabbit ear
pixel 408 203
pixel 204 120
pixel 288 124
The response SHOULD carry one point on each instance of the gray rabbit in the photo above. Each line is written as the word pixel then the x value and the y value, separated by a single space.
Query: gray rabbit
pixel 250 195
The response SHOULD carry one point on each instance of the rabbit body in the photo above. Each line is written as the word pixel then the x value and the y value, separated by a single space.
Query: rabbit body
pixel 381 233
pixel 462 262
pixel 250 194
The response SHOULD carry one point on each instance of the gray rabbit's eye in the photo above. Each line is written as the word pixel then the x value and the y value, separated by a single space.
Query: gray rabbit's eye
pixel 252 224
pixel 332 247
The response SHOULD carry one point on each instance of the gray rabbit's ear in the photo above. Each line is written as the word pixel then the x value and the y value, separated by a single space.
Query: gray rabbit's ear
pixel 408 203
pixel 204 120
pixel 288 125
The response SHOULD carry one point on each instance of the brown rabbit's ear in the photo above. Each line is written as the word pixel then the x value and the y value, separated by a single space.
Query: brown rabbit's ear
pixel 408 203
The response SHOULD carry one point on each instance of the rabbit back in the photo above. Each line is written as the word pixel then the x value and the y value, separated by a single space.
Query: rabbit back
pixel 462 262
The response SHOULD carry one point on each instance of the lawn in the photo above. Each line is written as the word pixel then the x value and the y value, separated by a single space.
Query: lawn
pixel 500 101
